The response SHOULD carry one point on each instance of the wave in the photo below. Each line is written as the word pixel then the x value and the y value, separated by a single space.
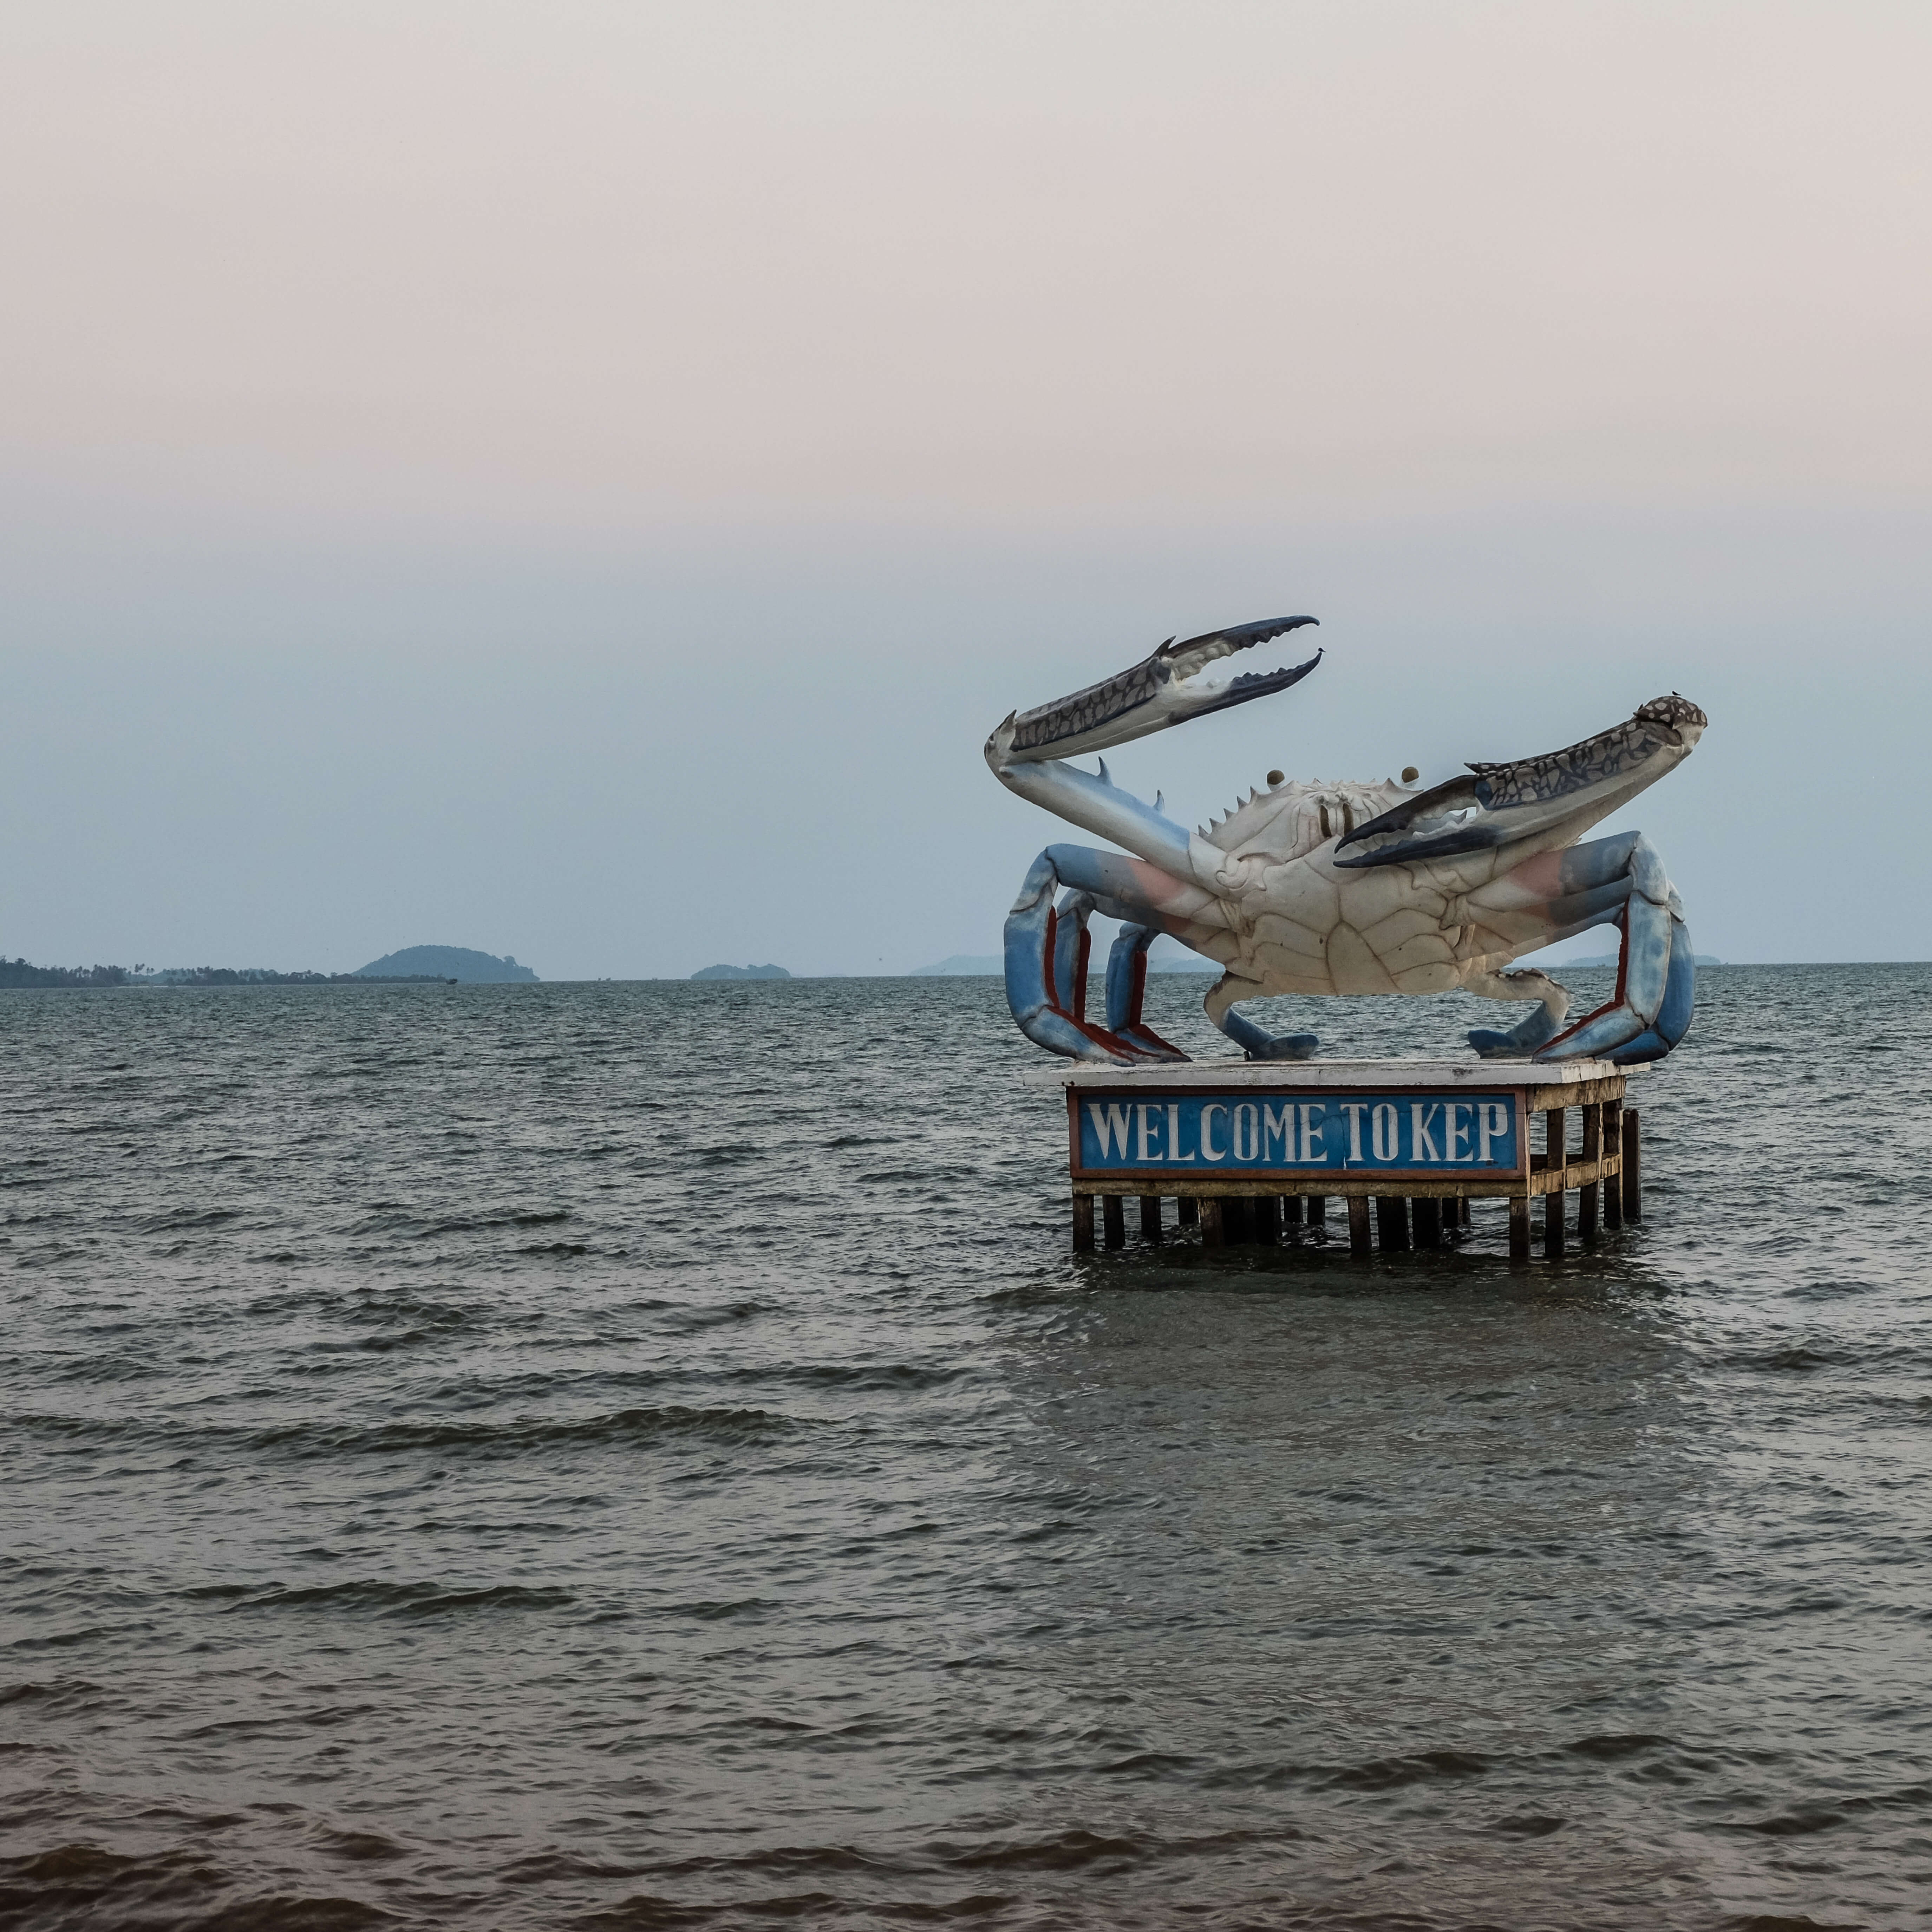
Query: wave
pixel 320 1438
pixel 178 1888
pixel 386 1599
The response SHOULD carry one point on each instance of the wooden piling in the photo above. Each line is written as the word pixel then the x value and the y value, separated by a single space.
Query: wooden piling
pixel 1556 1156
pixel 1426 1211
pixel 1392 1222
pixel 1150 1218
pixel 1633 1190
pixel 1211 1234
pixel 1235 1225
pixel 1587 1194
pixel 1519 1227
pixel 1083 1223
pixel 1113 1221
pixel 1613 1143
pixel 1293 1206
pixel 1187 1211
pixel 1358 1224
pixel 1265 1211
pixel 1318 1211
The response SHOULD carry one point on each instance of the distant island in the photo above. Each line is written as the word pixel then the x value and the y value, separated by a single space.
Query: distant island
pixel 741 973
pixel 448 962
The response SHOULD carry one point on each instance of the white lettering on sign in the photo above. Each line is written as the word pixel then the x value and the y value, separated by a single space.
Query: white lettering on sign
pixel 1404 1131
pixel 1108 1121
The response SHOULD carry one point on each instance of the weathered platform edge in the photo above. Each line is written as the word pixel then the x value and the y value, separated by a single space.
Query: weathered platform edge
pixel 1338 1073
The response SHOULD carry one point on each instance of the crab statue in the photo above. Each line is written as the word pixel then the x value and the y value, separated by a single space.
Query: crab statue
pixel 1343 888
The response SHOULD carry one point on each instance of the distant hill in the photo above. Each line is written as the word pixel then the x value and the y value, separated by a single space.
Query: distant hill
pixel 1165 955
pixel 448 962
pixel 741 973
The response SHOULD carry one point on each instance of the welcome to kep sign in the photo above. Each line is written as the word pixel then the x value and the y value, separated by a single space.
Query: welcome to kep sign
pixel 1414 1132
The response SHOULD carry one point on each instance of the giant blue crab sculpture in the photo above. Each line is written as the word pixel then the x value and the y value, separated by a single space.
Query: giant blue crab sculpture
pixel 1343 888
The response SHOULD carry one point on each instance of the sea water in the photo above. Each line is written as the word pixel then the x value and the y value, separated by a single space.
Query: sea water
pixel 645 1456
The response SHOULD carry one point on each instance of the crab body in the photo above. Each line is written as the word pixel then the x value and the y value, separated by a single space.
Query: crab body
pixel 1322 890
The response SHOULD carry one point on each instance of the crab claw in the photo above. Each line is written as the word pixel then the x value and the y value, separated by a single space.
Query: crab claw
pixel 1157 692
pixel 1500 803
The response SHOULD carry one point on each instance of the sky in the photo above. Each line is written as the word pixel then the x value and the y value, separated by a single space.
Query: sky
pixel 581 481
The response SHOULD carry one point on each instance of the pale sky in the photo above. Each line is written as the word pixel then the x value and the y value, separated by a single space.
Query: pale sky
pixel 582 480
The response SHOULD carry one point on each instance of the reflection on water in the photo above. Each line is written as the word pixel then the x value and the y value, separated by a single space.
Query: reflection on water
pixel 1305 1553
pixel 645 1456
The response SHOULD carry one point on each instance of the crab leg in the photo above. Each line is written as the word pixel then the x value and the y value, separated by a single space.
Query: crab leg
pixel 1046 948
pixel 1127 988
pixel 1251 1040
pixel 1656 974
pixel 1046 954
pixel 1538 1029
pixel 1656 991
pixel 1557 895
pixel 1071 944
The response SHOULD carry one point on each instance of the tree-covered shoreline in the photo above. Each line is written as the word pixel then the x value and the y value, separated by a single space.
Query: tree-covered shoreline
pixel 17 975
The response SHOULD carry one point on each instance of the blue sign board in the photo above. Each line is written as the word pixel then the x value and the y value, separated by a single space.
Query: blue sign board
pixel 1261 1132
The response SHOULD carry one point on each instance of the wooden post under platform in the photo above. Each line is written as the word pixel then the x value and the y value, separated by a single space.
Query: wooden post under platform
pixel 1613 1143
pixel 1083 1223
pixel 1359 1242
pixel 1555 1159
pixel 1586 1195
pixel 1392 1222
